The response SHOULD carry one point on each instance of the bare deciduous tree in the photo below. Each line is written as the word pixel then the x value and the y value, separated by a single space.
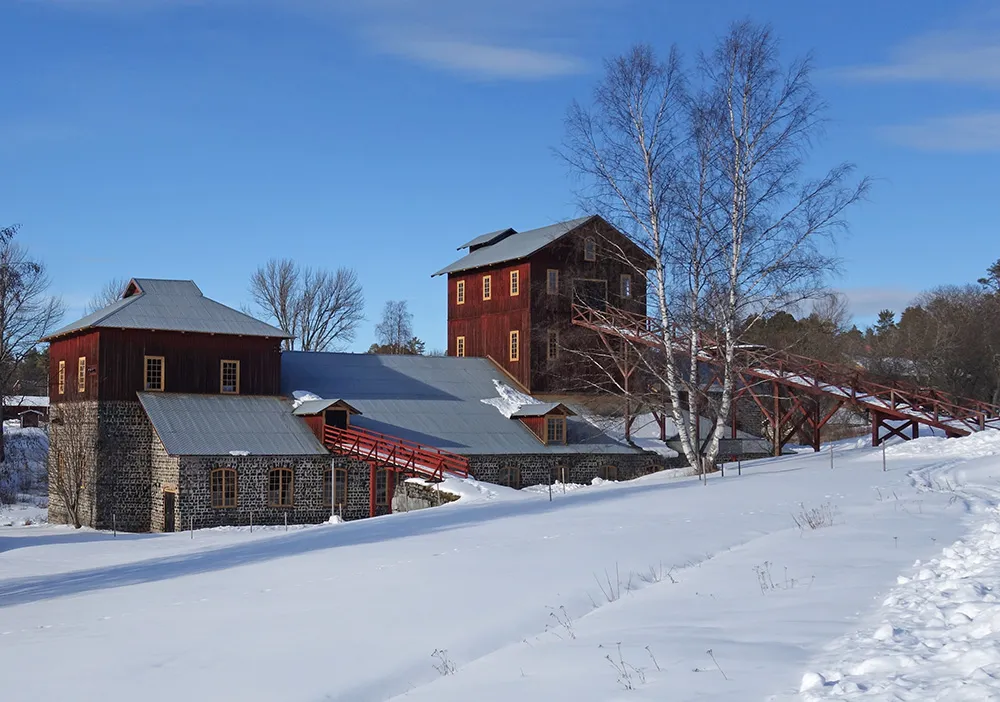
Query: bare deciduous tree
pixel 107 295
pixel 27 312
pixel 704 172
pixel 394 333
pixel 73 463
pixel 321 309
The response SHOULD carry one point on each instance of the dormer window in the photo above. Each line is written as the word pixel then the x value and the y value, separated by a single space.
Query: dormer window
pixel 547 421
pixel 555 430
pixel 154 373
pixel 229 378
pixel 589 249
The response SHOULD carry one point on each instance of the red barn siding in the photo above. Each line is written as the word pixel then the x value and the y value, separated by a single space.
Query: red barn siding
pixel 536 425
pixel 191 362
pixel 70 350
pixel 486 324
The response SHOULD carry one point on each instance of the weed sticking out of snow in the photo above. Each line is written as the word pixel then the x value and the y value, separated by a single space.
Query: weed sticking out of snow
pixel 815 517
pixel 561 621
pixel 629 676
pixel 444 664
pixel 766 581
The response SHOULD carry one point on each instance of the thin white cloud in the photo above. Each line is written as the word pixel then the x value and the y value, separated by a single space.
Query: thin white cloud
pixel 484 60
pixel 866 302
pixel 969 133
pixel 961 56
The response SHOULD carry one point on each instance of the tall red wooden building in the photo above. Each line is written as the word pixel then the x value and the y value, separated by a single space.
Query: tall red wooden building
pixel 510 297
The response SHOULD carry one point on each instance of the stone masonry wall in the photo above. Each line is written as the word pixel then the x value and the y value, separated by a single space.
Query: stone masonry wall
pixel 358 487
pixel 581 468
pixel 124 491
pixel 195 496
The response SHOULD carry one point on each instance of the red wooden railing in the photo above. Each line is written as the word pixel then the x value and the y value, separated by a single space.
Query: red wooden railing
pixel 953 414
pixel 399 455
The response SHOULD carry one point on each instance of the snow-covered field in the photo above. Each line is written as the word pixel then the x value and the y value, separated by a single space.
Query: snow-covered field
pixel 657 589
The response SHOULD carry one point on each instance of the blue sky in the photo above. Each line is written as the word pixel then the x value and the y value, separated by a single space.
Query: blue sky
pixel 196 139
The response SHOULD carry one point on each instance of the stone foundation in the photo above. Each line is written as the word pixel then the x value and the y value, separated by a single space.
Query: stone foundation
pixel 580 468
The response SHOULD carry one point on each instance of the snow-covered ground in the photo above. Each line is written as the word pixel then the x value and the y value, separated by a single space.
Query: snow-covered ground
pixel 659 588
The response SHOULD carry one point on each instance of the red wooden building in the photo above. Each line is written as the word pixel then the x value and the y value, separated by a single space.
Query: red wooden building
pixel 510 297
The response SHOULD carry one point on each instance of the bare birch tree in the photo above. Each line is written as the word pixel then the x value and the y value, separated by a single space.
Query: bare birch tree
pixel 705 174
pixel 321 309
pixel 108 295
pixel 73 461
pixel 27 312
pixel 394 332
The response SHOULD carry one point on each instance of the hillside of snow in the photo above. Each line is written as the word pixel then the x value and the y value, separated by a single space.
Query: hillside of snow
pixel 656 589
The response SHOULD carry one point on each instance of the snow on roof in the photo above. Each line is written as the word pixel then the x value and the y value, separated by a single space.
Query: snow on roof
pixel 462 405
pixel 26 401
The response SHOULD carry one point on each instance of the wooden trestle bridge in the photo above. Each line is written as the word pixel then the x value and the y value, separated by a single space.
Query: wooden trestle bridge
pixel 797 394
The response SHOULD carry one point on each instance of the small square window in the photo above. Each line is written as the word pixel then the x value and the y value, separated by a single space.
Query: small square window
pixel 154 373
pixel 229 374
pixel 460 346
pixel 487 287
pixel 552 282
pixel 460 292
pixel 515 345
pixel 590 250
pixel 515 283
pixel 626 285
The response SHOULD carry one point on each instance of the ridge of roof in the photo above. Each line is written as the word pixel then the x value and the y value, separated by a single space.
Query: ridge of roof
pixel 170 305
pixel 515 246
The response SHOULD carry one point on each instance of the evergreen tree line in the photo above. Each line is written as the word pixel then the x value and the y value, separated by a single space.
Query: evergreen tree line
pixel 948 338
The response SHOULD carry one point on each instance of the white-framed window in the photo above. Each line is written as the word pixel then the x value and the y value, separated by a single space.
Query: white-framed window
pixel 487 287
pixel 81 374
pixel 460 346
pixel 555 430
pixel 229 377
pixel 62 377
pixel 155 372
pixel 460 292
pixel 515 283
pixel 515 345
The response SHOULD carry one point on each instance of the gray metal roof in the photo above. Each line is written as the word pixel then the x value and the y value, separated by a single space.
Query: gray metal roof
pixel 433 400
pixel 513 247
pixel 541 409
pixel 216 425
pixel 316 406
pixel 172 305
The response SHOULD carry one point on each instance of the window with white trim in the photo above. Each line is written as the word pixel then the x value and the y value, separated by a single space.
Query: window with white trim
pixel 460 292
pixel 487 287
pixel 515 283
pixel 515 346
pixel 460 346
pixel 229 377
pixel 154 373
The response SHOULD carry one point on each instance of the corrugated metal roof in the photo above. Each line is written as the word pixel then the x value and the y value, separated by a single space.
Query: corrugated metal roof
pixel 317 406
pixel 540 410
pixel 433 400
pixel 172 305
pixel 216 425
pixel 513 247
